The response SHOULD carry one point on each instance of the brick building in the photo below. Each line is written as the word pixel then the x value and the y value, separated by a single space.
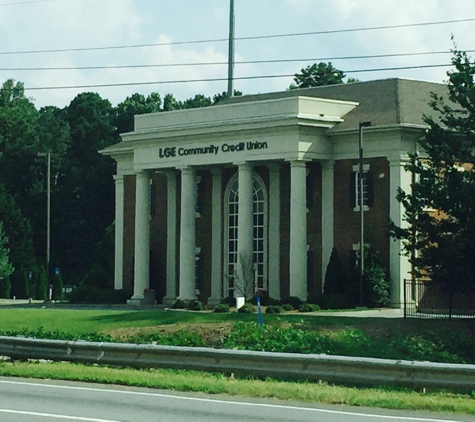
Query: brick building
pixel 264 185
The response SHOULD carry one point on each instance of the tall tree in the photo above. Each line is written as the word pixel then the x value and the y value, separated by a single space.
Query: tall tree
pixel 84 195
pixel 441 244
pixel 318 74
pixel 6 267
pixel 134 105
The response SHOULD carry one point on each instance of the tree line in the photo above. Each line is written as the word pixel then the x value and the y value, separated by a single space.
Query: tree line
pixel 82 186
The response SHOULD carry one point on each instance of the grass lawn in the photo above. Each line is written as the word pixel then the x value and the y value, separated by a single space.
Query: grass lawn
pixel 85 321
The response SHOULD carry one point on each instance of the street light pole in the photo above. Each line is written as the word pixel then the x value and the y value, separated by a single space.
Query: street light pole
pixel 360 201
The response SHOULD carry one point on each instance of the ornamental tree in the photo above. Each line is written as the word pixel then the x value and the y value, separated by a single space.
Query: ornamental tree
pixel 439 238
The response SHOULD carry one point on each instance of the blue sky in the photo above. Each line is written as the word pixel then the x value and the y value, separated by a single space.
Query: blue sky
pixel 36 25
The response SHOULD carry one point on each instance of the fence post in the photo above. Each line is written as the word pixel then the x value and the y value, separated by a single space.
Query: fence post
pixel 405 298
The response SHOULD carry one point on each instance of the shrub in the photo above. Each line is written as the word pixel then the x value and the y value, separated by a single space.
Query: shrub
pixel 41 283
pixel 274 309
pixel 308 307
pixel 376 285
pixel 247 308
pixel 195 305
pixel 222 308
pixel 293 300
pixel 287 307
pixel 230 301
pixel 265 301
pixel 336 279
pixel 179 304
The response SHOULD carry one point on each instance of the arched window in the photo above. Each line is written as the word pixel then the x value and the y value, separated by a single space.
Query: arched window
pixel 259 234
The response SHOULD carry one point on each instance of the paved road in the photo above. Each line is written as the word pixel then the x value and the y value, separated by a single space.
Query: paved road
pixel 48 401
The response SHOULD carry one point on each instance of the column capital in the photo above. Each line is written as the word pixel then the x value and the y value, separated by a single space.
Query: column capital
pixel 244 165
pixel 398 160
pixel 273 167
pixel 216 171
pixel 171 174
pixel 186 170
pixel 327 164
pixel 297 163
pixel 119 178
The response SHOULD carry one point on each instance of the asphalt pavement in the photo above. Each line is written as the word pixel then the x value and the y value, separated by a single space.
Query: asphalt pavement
pixel 41 401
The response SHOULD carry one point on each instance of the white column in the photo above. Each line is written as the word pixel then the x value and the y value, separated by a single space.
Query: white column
pixel 142 236
pixel 274 231
pixel 244 268
pixel 119 233
pixel 327 213
pixel 187 235
pixel 216 239
pixel 298 230
pixel 170 297
pixel 399 266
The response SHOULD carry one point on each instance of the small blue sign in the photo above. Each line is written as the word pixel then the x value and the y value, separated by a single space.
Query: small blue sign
pixel 56 271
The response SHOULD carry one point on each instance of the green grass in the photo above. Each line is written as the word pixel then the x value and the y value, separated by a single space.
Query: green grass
pixel 220 384
pixel 85 321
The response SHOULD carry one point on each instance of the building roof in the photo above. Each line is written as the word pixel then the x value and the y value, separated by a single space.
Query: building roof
pixel 383 102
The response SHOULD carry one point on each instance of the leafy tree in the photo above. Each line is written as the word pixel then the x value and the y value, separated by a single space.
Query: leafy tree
pixel 18 140
pixel 84 195
pixel 444 181
pixel 5 267
pixel 170 103
pixel 17 230
pixel 134 105
pixel 318 74
pixel 223 95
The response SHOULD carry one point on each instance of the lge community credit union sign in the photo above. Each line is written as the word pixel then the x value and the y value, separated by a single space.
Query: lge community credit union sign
pixel 168 152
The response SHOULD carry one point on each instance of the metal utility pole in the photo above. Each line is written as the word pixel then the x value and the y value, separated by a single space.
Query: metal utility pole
pixel 360 202
pixel 231 51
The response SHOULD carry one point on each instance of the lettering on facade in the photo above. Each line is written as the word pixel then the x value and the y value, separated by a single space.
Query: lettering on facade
pixel 169 152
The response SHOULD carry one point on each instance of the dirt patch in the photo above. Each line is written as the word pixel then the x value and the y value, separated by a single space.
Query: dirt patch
pixel 213 334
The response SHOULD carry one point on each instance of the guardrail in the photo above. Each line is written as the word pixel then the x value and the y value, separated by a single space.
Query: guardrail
pixel 338 369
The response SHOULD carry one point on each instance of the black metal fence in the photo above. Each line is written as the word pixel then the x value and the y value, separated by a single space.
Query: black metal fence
pixel 426 299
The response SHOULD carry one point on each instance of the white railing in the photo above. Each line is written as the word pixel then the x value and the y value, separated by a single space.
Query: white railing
pixel 339 369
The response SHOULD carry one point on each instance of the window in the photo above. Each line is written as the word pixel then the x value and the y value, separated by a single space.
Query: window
pixel 368 188
pixel 199 196
pixel 198 270
pixel 259 234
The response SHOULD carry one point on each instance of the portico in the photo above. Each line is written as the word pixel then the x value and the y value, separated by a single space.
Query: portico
pixel 251 142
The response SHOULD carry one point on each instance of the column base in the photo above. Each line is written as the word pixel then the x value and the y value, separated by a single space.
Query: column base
pixel 213 301
pixel 169 301
pixel 135 302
